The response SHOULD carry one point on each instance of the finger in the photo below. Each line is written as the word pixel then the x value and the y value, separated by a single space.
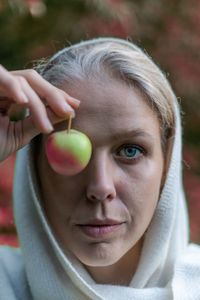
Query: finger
pixel 75 103
pixel 30 130
pixel 10 87
pixel 57 99
pixel 43 117
pixel 36 107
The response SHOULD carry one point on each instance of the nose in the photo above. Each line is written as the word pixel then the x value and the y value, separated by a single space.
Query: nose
pixel 100 185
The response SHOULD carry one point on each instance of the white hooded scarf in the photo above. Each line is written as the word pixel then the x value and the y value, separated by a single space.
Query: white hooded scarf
pixel 169 267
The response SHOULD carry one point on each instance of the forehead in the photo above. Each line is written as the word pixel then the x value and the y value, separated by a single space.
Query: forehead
pixel 110 106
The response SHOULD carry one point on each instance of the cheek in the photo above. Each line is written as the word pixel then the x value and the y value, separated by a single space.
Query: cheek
pixel 60 196
pixel 140 189
pixel 65 198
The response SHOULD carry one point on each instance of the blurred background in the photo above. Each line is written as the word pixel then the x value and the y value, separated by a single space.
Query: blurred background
pixel 169 31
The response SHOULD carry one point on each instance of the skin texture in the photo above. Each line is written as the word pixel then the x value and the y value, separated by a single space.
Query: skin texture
pixel 115 184
pixel 33 104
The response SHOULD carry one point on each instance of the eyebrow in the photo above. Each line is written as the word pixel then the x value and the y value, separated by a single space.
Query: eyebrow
pixel 132 133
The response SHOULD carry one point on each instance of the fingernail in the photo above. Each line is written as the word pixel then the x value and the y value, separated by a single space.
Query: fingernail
pixel 23 98
pixel 77 101
pixel 48 126
pixel 72 113
pixel 68 109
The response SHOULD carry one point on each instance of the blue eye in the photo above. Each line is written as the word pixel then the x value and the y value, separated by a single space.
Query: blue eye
pixel 130 151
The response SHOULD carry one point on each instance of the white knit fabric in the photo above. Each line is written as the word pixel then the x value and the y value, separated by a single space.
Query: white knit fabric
pixel 169 267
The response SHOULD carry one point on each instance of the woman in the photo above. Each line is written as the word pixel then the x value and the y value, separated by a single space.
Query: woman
pixel 119 228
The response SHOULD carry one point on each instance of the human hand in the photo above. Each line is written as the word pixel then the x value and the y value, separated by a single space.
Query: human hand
pixel 47 105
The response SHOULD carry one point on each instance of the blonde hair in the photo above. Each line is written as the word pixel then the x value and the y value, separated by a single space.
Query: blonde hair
pixel 122 60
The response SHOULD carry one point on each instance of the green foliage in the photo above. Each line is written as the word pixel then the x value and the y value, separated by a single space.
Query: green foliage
pixel 168 30
pixel 24 37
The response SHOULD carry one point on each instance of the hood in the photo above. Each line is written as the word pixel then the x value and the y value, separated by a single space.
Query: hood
pixel 54 275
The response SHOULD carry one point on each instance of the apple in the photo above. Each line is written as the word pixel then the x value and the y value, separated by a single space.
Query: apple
pixel 68 152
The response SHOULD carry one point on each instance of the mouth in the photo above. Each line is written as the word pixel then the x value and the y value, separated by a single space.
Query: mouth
pixel 100 228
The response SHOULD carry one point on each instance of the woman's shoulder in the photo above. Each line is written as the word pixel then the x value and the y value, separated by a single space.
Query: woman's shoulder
pixel 188 264
pixel 12 274
pixel 191 257
pixel 7 250
pixel 10 258
pixel 186 279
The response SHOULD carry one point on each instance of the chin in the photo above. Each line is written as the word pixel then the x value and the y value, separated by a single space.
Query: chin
pixel 101 255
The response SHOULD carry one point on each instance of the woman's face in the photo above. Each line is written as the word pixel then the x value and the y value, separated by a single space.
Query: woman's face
pixel 102 213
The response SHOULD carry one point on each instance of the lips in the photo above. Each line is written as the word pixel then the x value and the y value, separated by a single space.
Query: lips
pixel 100 228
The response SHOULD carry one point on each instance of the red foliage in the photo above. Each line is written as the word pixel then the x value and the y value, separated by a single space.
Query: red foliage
pixel 7 228
pixel 9 239
pixel 192 188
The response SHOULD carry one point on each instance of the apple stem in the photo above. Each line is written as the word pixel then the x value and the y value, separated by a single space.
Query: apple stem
pixel 69 124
